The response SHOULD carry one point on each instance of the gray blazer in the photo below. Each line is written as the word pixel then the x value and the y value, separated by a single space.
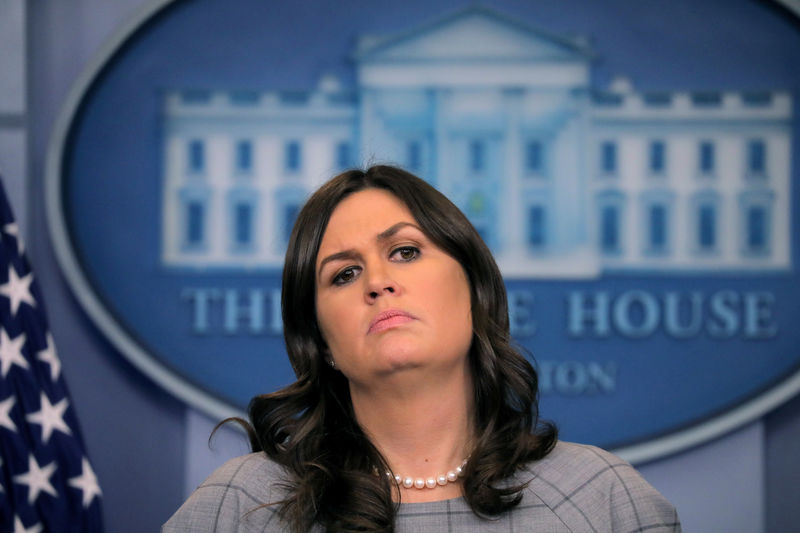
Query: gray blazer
pixel 576 489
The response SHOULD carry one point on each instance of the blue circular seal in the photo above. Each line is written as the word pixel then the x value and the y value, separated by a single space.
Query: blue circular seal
pixel 632 174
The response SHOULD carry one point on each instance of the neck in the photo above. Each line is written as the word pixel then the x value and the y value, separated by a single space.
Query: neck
pixel 422 426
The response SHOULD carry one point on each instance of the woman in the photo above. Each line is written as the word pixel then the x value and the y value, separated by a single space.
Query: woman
pixel 411 410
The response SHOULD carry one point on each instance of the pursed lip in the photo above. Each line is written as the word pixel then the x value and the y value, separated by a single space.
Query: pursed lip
pixel 389 319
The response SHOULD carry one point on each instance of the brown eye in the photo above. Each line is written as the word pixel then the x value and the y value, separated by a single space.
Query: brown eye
pixel 346 276
pixel 405 253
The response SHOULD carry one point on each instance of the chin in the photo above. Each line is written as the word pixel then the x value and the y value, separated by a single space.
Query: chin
pixel 402 360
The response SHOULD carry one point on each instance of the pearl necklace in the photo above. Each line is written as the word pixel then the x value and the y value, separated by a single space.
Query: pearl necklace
pixel 432 482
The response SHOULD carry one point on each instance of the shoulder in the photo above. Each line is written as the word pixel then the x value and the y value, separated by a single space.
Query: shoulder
pixel 254 472
pixel 592 489
pixel 241 495
pixel 572 463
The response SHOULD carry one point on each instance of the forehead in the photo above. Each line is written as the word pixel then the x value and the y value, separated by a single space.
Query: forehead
pixel 364 214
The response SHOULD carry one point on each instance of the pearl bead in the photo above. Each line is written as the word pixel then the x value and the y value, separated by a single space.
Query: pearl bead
pixel 432 482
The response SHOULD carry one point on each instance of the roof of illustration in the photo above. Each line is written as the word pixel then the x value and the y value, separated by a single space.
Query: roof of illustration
pixel 474 32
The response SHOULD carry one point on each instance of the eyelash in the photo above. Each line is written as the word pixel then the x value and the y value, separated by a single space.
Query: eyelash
pixel 414 249
pixel 339 281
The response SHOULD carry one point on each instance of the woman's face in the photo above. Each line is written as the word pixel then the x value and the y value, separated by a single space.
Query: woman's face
pixel 388 300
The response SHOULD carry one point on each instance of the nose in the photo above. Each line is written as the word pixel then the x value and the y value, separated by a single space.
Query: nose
pixel 379 283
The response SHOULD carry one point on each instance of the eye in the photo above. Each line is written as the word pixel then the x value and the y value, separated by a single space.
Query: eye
pixel 346 276
pixel 405 254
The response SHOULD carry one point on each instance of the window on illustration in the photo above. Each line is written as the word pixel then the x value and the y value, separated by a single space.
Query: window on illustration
pixel 658 227
pixel 608 157
pixel 657 157
pixel 243 224
pixel 195 223
pixel 477 155
pixel 483 231
pixel 756 229
pixel 293 156
pixel 707 227
pixel 197 156
pixel 244 156
pixel 756 157
pixel 707 157
pixel 343 156
pixel 536 226
pixel 609 229
pixel 290 212
pixel 534 157
pixel 414 155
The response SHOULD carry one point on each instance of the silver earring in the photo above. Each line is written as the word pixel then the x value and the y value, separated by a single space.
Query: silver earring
pixel 332 363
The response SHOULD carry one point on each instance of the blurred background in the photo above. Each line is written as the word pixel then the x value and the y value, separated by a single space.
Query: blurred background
pixel 149 448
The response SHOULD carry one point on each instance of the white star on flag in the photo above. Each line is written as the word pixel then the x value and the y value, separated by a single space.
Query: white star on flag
pixel 52 460
pixel 50 416
pixel 11 352
pixel 19 527
pixel 37 479
pixel 17 289
pixel 48 355
pixel 5 414
pixel 13 230
pixel 86 482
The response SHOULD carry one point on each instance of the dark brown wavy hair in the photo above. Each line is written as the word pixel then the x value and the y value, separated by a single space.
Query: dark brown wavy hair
pixel 309 427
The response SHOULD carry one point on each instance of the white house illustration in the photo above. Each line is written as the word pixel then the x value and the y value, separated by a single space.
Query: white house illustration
pixel 560 178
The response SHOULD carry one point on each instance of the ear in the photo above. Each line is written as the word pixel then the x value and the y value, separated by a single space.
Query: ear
pixel 328 357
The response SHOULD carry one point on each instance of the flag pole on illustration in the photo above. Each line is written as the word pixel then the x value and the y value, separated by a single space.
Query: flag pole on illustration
pixel 46 481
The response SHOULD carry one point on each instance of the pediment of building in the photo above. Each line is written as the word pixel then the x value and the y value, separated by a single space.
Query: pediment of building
pixel 472 34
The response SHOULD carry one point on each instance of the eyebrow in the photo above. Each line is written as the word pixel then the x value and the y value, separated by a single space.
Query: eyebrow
pixel 344 254
pixel 352 254
pixel 388 233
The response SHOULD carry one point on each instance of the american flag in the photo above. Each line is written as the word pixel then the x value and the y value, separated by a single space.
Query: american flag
pixel 46 481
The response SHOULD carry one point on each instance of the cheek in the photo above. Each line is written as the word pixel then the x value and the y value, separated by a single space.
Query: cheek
pixel 455 301
pixel 324 321
pixel 460 290
pixel 464 295
pixel 333 322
